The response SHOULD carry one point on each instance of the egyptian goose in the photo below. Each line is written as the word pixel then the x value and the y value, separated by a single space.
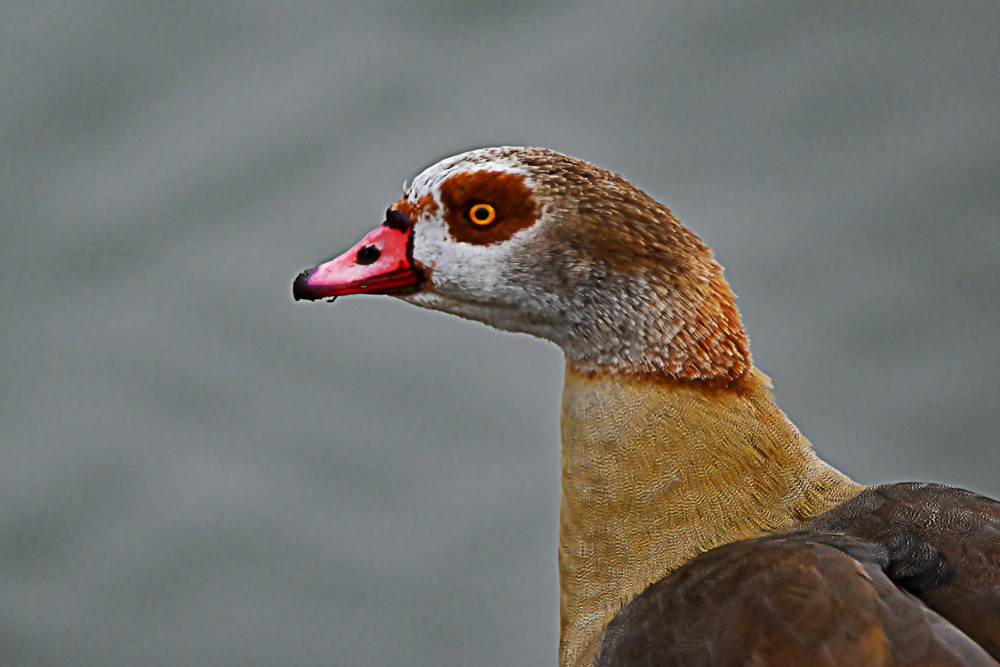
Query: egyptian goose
pixel 696 524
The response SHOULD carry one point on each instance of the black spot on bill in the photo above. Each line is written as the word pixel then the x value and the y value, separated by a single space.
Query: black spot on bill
pixel 369 254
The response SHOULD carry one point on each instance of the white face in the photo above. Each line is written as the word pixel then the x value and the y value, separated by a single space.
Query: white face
pixel 488 273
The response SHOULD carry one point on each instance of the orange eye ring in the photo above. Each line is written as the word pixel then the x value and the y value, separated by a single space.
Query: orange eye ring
pixel 482 215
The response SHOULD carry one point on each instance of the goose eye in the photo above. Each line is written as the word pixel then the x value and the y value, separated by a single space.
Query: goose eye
pixel 482 215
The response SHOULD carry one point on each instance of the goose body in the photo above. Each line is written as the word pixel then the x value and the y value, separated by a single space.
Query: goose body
pixel 697 525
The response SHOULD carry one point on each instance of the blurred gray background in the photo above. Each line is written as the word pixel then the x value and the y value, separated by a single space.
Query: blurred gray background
pixel 194 470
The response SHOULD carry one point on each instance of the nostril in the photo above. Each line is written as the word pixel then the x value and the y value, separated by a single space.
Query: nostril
pixel 368 255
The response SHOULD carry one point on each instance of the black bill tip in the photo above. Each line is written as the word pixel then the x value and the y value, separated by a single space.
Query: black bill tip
pixel 301 288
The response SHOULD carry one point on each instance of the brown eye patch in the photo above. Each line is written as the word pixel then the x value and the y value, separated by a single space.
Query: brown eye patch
pixel 507 197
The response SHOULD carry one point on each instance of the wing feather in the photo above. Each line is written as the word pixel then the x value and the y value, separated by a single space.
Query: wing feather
pixel 904 574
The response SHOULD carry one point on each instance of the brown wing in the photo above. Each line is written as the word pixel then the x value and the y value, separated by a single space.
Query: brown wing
pixel 791 599
pixel 922 522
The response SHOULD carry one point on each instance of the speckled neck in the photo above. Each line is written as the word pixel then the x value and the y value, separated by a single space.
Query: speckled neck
pixel 636 291
pixel 674 336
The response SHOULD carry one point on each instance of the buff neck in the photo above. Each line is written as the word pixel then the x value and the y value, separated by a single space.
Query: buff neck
pixel 656 472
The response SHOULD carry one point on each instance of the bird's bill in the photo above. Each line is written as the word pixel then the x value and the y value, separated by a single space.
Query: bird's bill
pixel 380 263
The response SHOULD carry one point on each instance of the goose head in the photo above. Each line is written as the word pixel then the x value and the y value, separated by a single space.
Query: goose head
pixel 530 240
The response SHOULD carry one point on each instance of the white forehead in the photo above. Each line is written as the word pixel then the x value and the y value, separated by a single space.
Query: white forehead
pixel 500 158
